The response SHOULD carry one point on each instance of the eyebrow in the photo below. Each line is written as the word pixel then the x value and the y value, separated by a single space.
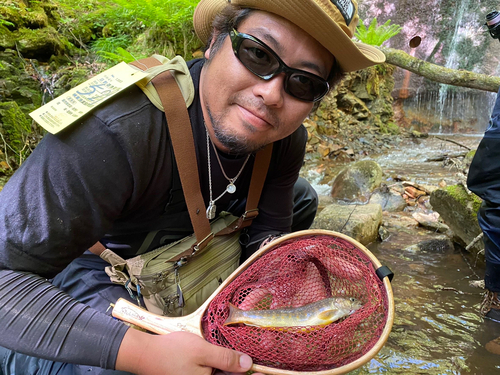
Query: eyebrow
pixel 278 49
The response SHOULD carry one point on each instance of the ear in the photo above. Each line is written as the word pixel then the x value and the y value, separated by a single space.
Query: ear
pixel 215 33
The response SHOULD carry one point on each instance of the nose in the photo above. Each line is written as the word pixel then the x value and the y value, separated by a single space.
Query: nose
pixel 271 91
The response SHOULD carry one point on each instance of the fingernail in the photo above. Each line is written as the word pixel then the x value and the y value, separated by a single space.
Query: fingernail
pixel 245 361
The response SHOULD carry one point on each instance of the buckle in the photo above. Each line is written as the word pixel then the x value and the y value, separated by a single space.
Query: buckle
pixel 201 244
pixel 250 214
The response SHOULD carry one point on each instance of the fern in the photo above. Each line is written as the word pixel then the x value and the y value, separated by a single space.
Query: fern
pixel 6 23
pixel 119 55
pixel 376 35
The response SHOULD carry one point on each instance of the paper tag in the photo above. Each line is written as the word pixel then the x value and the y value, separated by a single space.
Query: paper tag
pixel 72 105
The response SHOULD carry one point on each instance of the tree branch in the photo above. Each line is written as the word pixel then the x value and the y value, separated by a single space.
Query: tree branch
pixel 439 73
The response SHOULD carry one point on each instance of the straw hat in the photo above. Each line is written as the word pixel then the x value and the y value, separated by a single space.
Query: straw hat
pixel 330 22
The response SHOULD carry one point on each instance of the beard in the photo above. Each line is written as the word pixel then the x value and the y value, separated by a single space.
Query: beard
pixel 233 142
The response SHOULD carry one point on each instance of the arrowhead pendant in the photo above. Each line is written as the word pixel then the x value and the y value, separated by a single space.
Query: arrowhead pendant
pixel 211 210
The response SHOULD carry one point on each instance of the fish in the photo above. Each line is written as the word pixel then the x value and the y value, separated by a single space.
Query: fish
pixel 319 313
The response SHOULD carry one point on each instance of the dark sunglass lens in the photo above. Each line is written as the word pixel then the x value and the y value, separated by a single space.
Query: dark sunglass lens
pixel 306 87
pixel 257 58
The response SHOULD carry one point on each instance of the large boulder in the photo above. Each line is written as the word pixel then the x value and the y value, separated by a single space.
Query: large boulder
pixel 360 222
pixel 357 182
pixel 458 209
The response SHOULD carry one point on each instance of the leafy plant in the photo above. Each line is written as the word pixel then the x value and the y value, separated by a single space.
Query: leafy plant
pixel 168 24
pixel 375 35
pixel 6 23
pixel 119 55
pixel 110 44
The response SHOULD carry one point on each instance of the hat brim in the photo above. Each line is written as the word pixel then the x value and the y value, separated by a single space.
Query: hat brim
pixel 350 55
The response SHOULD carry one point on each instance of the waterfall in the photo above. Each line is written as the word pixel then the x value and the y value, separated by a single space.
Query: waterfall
pixel 452 35
pixel 452 60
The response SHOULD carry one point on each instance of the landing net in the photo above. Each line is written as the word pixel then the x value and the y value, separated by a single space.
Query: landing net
pixel 295 273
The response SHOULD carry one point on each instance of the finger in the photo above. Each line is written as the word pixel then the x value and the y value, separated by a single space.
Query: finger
pixel 226 359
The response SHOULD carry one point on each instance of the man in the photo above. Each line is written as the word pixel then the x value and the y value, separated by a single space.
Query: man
pixel 484 180
pixel 109 178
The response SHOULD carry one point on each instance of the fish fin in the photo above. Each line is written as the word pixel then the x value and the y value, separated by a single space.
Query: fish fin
pixel 327 315
pixel 230 318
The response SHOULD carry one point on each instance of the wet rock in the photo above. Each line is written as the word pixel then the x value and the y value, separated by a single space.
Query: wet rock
pixel 436 245
pixel 477 284
pixel 383 233
pixel 360 222
pixel 417 134
pixel 400 220
pixel 390 201
pixel 357 181
pixel 458 209
pixel 431 221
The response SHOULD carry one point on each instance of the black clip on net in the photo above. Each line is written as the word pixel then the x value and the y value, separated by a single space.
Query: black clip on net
pixel 383 272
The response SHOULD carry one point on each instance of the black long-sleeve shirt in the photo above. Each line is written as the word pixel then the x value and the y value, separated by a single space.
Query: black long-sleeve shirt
pixel 109 177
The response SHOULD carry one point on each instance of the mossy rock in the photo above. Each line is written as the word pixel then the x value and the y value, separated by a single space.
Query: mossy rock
pixel 7 38
pixel 36 19
pixel 26 95
pixel 14 125
pixel 79 34
pixel 357 181
pixel 40 44
pixel 12 14
pixel 389 128
pixel 32 14
pixel 458 209
pixel 7 71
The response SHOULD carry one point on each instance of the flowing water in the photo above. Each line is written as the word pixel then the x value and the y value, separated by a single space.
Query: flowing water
pixel 437 329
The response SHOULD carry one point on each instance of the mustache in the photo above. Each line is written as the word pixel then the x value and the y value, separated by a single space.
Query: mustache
pixel 256 106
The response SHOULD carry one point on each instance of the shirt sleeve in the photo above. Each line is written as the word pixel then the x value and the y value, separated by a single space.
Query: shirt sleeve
pixel 63 198
pixel 41 321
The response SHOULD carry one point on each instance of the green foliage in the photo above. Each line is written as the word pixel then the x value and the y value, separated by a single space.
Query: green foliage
pixel 152 26
pixel 110 44
pixel 168 24
pixel 15 128
pixel 376 35
pixel 119 56
pixel 6 23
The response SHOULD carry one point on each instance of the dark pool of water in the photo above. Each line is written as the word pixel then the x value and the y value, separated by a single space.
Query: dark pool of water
pixel 437 328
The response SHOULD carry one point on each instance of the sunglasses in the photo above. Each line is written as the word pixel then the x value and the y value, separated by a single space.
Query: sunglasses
pixel 262 61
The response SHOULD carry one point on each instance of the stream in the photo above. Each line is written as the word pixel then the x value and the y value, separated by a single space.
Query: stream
pixel 437 328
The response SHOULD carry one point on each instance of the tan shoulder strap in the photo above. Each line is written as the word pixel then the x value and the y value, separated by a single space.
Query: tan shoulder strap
pixel 180 130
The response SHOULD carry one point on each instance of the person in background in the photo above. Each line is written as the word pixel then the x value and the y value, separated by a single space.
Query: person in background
pixel 483 179
pixel 109 178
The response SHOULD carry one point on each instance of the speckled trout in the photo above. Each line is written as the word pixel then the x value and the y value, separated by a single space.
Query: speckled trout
pixel 318 313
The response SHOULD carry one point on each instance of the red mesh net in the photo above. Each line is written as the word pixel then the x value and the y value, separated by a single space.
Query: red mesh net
pixel 295 273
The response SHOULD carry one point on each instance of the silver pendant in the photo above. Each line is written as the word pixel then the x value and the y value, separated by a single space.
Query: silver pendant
pixel 231 188
pixel 211 210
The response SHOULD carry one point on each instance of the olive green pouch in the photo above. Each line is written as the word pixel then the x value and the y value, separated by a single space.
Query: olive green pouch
pixel 175 288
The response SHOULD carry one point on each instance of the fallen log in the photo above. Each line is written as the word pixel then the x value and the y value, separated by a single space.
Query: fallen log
pixel 439 73
pixel 446 156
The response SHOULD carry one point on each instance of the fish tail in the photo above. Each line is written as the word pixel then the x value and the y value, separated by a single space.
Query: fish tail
pixel 231 318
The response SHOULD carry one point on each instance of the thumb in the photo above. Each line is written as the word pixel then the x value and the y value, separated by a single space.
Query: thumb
pixel 226 359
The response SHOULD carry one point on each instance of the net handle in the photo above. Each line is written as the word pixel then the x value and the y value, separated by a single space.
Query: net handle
pixel 127 311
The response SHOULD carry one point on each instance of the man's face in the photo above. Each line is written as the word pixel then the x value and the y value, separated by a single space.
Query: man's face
pixel 245 112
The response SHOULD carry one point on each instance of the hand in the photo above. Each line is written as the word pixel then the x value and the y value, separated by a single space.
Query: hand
pixel 177 353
